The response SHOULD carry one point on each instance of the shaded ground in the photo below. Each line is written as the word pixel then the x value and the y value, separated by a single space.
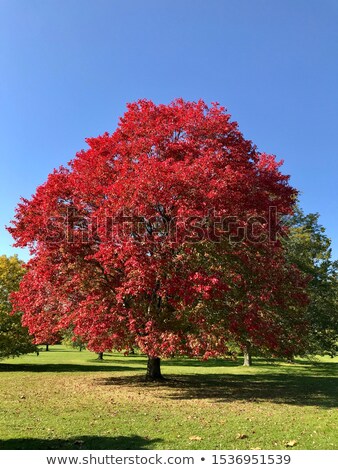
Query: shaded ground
pixel 60 368
pixel 276 388
pixel 80 443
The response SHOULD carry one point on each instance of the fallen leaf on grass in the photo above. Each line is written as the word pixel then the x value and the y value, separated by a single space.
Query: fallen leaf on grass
pixel 195 438
pixel 291 443
pixel 79 443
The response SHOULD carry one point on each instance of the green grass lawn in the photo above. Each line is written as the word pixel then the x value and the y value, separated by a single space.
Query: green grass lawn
pixel 65 399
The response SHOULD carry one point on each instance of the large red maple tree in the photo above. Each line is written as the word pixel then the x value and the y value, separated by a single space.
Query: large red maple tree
pixel 158 236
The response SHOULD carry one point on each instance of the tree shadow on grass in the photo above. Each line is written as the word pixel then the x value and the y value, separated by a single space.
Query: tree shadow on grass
pixel 98 367
pixel 80 443
pixel 183 362
pixel 236 362
pixel 257 362
pixel 200 363
pixel 228 388
pixel 191 362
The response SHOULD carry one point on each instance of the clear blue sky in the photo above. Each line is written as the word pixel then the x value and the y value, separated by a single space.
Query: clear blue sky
pixel 68 67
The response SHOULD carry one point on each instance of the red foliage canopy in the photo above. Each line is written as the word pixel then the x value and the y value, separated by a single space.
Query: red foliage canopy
pixel 158 236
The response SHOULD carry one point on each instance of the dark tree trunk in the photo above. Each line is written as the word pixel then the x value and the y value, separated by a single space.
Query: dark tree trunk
pixel 247 355
pixel 100 356
pixel 47 347
pixel 132 351
pixel 154 369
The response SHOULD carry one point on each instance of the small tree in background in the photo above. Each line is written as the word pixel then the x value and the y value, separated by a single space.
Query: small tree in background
pixel 14 338
pixel 70 340
pixel 309 248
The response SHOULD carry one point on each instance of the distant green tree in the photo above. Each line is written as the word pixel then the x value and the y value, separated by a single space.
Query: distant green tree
pixel 14 339
pixel 69 339
pixel 309 248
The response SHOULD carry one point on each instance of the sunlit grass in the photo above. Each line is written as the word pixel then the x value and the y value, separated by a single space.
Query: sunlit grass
pixel 65 399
